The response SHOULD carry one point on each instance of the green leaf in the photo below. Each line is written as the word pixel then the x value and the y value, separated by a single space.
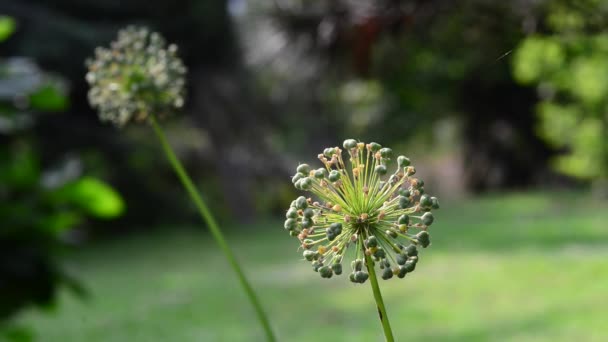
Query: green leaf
pixel 7 27
pixel 93 196
pixel 49 98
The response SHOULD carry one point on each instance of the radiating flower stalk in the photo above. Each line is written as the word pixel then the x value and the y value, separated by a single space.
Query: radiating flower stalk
pixel 139 79
pixel 360 210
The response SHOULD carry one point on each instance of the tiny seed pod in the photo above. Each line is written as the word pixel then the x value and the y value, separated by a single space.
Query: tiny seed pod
pixel 292 213
pixel 328 152
pixel 405 192
pixel 301 203
pixel 361 277
pixel 380 253
pixel 387 274
pixel 391 233
pixel 325 271
pixel 410 266
pixel 386 152
pixel 381 170
pixel 309 255
pixel 308 212
pixel 423 238
pixel 349 143
pixel 374 147
pixel 402 272
pixel 307 222
pixel 290 224
pixel 357 264
pixel 403 219
pixel 337 268
pixel 371 242
pixel 305 183
pixel 403 161
pixel 434 203
pixel 321 173
pixel 404 202
pixel 303 169
pixel 427 219
pixel 351 277
pixel 296 178
pixel 411 250
pixel 316 265
pixel 331 236
pixel 336 228
pixel 401 259
pixel 425 201
pixel 334 176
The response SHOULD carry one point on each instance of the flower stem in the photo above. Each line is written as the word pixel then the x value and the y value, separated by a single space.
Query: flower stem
pixel 213 226
pixel 386 326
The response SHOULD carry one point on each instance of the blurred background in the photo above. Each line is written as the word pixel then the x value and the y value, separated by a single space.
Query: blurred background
pixel 501 105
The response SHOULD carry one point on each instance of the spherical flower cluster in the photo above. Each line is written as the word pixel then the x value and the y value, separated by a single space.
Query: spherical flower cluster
pixel 139 75
pixel 383 217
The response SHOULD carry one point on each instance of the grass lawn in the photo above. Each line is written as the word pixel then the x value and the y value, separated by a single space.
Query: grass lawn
pixel 517 267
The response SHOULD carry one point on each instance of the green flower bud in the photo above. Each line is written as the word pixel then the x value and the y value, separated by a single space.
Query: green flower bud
pixel 304 169
pixel 290 224
pixel 305 183
pixel 423 238
pixel 403 161
pixel 351 277
pixel 427 219
pixel 425 201
pixel 401 259
pixel 361 277
pixel 337 268
pixel 421 190
pixel 387 273
pixel 381 170
pixel 334 175
pixel 405 193
pixel 404 202
pixel 403 219
pixel 293 204
pixel 386 153
pixel 308 212
pixel 375 147
pixel 309 255
pixel 321 173
pixel 434 203
pixel 297 177
pixel 293 233
pixel 301 203
pixel 349 143
pixel 411 250
pixel 371 242
pixel 357 264
pixel 292 213
pixel 325 271
pixel 307 222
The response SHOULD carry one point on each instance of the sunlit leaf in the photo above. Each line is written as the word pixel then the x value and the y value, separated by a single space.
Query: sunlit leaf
pixel 93 196
pixel 49 98
pixel 7 27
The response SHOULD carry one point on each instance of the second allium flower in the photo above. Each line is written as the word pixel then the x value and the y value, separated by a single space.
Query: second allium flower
pixel 360 208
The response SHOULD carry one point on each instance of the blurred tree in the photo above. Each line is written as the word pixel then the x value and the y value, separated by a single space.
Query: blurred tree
pixel 40 203
pixel 568 61
pixel 419 61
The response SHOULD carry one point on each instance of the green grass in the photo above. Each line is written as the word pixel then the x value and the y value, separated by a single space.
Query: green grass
pixel 518 267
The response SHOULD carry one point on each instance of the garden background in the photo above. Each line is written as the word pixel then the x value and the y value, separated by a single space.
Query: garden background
pixel 502 107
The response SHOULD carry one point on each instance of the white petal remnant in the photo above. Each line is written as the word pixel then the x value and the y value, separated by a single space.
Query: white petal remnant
pixel 382 216
pixel 136 77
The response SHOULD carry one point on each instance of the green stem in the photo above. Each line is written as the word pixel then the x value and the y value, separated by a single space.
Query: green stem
pixel 386 326
pixel 213 227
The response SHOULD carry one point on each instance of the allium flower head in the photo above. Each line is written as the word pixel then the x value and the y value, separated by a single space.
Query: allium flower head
pixel 360 209
pixel 137 76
